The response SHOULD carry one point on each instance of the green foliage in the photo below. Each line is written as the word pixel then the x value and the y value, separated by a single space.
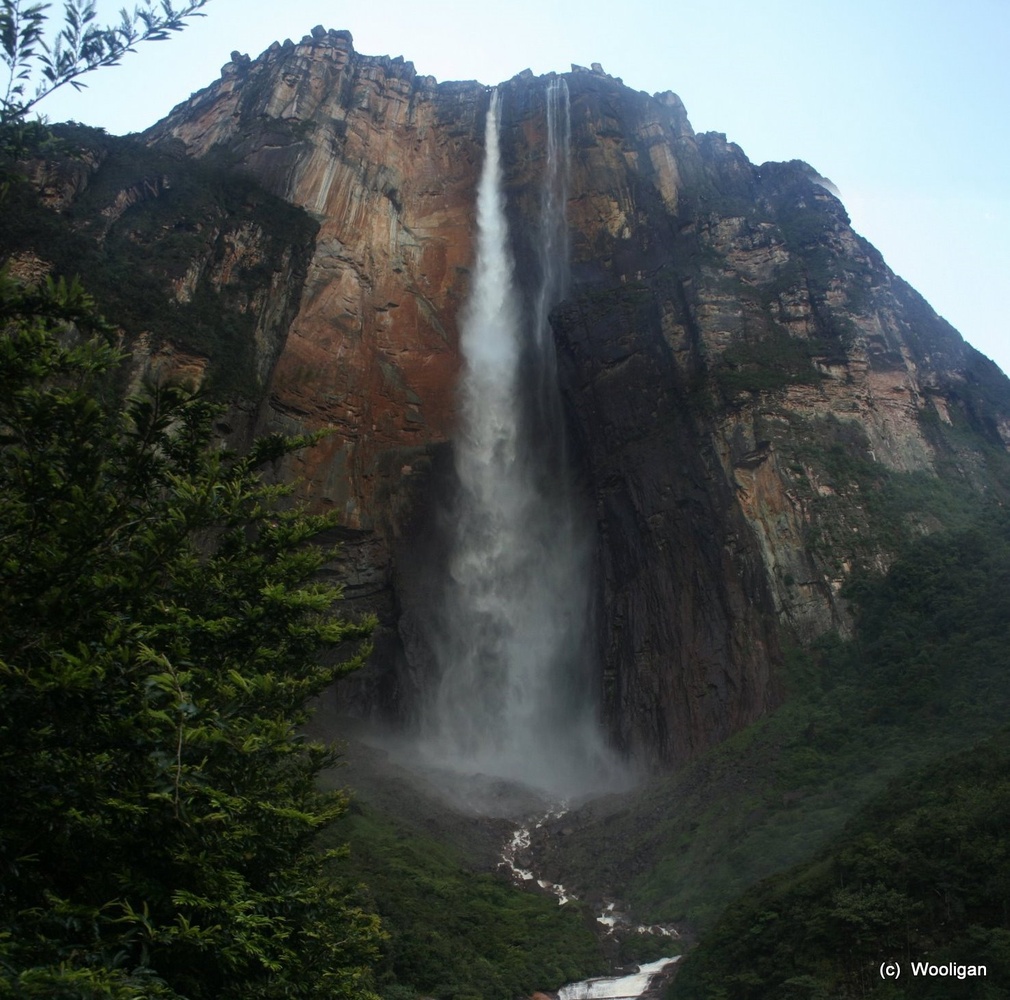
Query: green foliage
pixel 935 632
pixel 37 65
pixel 926 674
pixel 455 934
pixel 162 633
pixel 922 873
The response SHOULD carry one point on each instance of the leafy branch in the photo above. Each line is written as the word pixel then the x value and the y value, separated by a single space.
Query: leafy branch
pixel 37 66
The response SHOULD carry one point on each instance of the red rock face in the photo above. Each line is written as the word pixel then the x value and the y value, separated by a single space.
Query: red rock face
pixel 725 331
pixel 387 163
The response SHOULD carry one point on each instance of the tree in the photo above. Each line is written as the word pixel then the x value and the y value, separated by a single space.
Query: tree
pixel 162 634
pixel 36 66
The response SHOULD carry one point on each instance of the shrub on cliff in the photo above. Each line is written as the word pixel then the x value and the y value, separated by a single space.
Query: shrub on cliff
pixel 161 636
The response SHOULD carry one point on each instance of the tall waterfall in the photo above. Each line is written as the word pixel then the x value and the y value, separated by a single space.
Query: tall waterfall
pixel 514 650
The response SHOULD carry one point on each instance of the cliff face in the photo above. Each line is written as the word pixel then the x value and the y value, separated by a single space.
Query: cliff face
pixel 386 162
pixel 757 405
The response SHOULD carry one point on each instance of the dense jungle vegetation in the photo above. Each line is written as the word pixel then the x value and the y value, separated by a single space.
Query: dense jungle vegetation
pixel 454 933
pixel 922 871
pixel 921 874
pixel 874 722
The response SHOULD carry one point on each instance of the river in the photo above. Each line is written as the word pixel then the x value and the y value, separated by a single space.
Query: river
pixel 629 985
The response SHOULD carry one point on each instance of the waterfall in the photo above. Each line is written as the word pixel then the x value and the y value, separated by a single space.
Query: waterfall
pixel 513 644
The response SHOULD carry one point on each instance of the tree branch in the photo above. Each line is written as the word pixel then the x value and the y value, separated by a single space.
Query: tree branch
pixel 79 48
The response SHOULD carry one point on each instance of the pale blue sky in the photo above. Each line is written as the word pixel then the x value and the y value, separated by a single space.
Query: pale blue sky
pixel 904 104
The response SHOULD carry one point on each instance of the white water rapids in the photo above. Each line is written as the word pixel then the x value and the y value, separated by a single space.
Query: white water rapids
pixel 629 986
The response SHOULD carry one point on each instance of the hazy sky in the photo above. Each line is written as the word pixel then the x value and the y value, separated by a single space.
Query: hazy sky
pixel 904 104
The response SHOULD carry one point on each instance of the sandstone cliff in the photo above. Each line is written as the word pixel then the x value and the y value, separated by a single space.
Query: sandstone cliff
pixel 385 161
pixel 758 406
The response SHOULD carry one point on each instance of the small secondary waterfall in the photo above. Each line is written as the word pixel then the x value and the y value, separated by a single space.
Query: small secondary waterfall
pixel 514 697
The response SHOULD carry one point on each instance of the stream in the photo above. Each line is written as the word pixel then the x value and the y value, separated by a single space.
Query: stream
pixel 630 985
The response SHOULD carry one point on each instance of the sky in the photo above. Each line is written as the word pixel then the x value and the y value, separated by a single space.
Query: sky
pixel 903 104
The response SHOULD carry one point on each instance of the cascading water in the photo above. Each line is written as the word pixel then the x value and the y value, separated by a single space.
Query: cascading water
pixel 513 640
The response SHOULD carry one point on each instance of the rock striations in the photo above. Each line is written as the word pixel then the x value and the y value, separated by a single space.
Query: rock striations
pixel 758 406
